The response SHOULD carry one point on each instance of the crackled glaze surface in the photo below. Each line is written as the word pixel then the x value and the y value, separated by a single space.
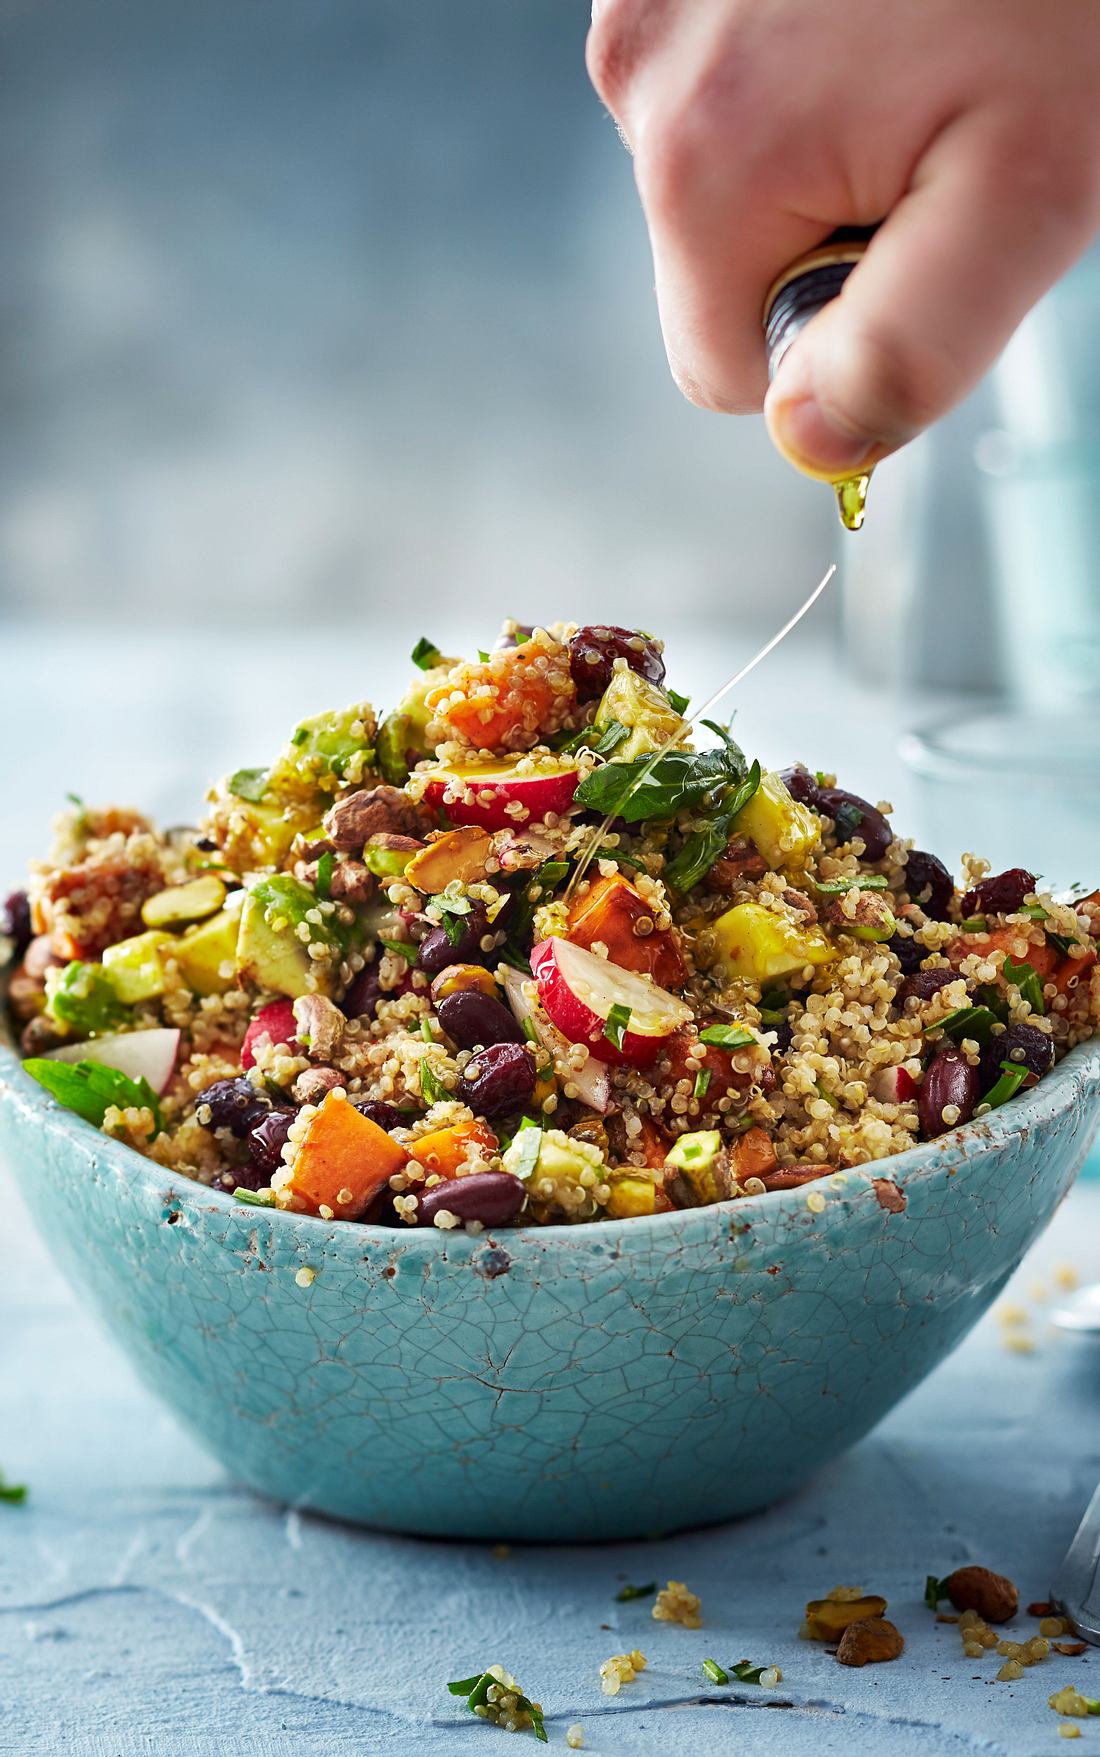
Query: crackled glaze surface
pixel 596 1381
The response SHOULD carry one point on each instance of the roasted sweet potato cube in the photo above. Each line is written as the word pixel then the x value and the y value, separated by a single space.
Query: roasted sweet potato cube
pixel 341 1163
pixel 612 912
pixel 444 1150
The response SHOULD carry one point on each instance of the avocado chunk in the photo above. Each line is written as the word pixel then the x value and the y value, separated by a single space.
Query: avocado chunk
pixel 701 1165
pixel 783 831
pixel 135 967
pixel 287 943
pixel 644 710
pixel 326 753
pixel 403 734
pixel 82 998
pixel 207 954
pixel 759 945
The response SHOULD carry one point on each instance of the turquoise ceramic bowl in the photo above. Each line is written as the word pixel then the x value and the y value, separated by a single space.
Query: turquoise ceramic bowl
pixel 589 1381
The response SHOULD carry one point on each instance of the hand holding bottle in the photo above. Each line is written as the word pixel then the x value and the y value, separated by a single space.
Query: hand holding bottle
pixel 971 130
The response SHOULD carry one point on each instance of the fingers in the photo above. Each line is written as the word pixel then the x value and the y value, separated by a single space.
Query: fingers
pixel 990 222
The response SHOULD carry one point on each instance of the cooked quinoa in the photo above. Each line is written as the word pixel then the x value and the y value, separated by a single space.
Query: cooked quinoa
pixel 520 953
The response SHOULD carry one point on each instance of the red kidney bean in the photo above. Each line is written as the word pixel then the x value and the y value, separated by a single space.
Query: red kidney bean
pixel 493 1197
pixel 437 951
pixel 470 1018
pixel 376 1110
pixel 948 1079
pixel 1000 894
pixel 929 883
pixel 15 921
pixel 266 1141
pixel 234 1104
pixel 504 1079
pixel 593 651
pixel 924 984
pixel 1023 1046
pixel 854 816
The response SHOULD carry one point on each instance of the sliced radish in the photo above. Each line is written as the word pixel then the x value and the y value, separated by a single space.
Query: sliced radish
pixel 276 1021
pixel 140 1055
pixel 892 1086
pixel 586 996
pixel 481 791
pixel 593 1082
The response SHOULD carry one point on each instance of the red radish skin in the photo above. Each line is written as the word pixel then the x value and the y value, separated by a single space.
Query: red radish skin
pixel 494 786
pixel 276 1021
pixel 893 1086
pixel 593 1082
pixel 578 991
pixel 141 1055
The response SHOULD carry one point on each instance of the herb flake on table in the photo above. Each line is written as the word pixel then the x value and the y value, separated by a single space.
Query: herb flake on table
pixel 14 1493
pixel 477 1692
pixel 628 1592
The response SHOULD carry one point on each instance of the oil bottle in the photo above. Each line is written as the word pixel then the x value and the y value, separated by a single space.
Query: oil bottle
pixel 799 293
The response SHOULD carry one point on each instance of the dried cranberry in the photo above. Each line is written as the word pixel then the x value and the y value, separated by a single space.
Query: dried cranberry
pixel 1023 1046
pixel 948 1080
pixel 1001 894
pixel 854 816
pixel 363 994
pixel 801 785
pixel 15 921
pixel 266 1141
pixel 923 984
pixel 234 1104
pixel 929 883
pixel 387 1116
pixel 471 1019
pixel 492 1197
pixel 436 950
pixel 909 953
pixel 784 1032
pixel 498 1079
pixel 594 650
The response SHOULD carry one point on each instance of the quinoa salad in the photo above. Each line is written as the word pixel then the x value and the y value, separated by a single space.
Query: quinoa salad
pixel 519 953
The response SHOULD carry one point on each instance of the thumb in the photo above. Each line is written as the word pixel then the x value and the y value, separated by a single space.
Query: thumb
pixel 945 280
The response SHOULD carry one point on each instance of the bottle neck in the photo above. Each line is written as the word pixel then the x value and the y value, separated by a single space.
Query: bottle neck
pixel 807 286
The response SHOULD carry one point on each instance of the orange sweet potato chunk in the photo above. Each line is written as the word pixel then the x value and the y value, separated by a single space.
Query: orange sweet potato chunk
pixel 607 913
pixel 444 1150
pixel 342 1155
pixel 752 1154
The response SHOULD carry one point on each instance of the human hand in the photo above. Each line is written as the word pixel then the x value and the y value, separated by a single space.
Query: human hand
pixel 970 127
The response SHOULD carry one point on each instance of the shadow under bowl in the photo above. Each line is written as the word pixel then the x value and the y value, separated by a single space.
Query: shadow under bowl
pixel 596 1381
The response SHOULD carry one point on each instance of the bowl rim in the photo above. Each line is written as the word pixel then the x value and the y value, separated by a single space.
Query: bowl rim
pixel 1077 1075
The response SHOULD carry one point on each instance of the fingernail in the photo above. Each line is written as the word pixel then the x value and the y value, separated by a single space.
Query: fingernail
pixel 811 437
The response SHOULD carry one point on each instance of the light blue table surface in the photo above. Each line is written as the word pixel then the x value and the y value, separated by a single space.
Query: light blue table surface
pixel 149 1606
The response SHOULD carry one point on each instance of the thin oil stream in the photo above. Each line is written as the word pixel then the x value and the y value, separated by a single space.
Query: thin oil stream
pixel 599 834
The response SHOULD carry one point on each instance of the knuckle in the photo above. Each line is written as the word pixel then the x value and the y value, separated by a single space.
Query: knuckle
pixel 612 50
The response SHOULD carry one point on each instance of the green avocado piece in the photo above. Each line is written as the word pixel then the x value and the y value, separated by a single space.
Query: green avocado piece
pixel 270 950
pixel 643 709
pixel 403 734
pixel 326 752
pixel 83 998
pixel 203 953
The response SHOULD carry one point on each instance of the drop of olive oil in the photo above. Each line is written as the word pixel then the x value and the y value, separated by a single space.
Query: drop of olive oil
pixel 851 500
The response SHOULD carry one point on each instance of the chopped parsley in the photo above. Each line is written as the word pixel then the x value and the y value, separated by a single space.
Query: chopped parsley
pixel 1025 977
pixel 1012 1077
pixel 975 1022
pixel 254 1198
pixel 325 868
pixel 90 1089
pixel 476 1691
pixel 426 654
pixel 525 900
pixel 426 1031
pixel 726 1036
pixel 618 1022
pixel 250 784
pixel 452 909
pixel 934 1590
pixel 747 1673
pixel 1034 911
pixel 714 1672
pixel 974 924
pixel 1062 942
pixel 702 1081
pixel 626 1593
pixel 432 1089
pixel 677 701
pixel 602 742
pixel 400 948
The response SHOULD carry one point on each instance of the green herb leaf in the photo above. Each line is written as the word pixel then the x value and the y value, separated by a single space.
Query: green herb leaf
pixel 1034 912
pixel 529 1136
pixel 746 1673
pixel 974 924
pixel 325 868
pixel 702 1081
pixel 90 1089
pixel 250 784
pixel 476 1691
pixel 1025 977
pixel 521 639
pixel 425 654
pixel 988 996
pixel 616 854
pixel 1062 942
pixel 483 655
pixel 714 1672
pixel 975 1022
pixel 726 1036
pixel 847 820
pixel 733 749
pixel 402 948
pixel 706 845
pixel 618 1022
pixel 1012 1077
pixel 933 1591
pixel 863 881
pixel 540 886
pixel 463 1686
pixel 432 1089
pixel 254 1198
pixel 15 1493
pixel 452 910
pixel 626 1593
pixel 678 702
pixel 426 1031
pixel 637 791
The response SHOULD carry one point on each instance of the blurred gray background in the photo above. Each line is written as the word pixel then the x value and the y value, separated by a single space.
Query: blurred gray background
pixel 346 308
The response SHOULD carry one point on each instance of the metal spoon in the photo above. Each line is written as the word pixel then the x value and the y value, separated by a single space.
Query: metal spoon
pixel 1076 1589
